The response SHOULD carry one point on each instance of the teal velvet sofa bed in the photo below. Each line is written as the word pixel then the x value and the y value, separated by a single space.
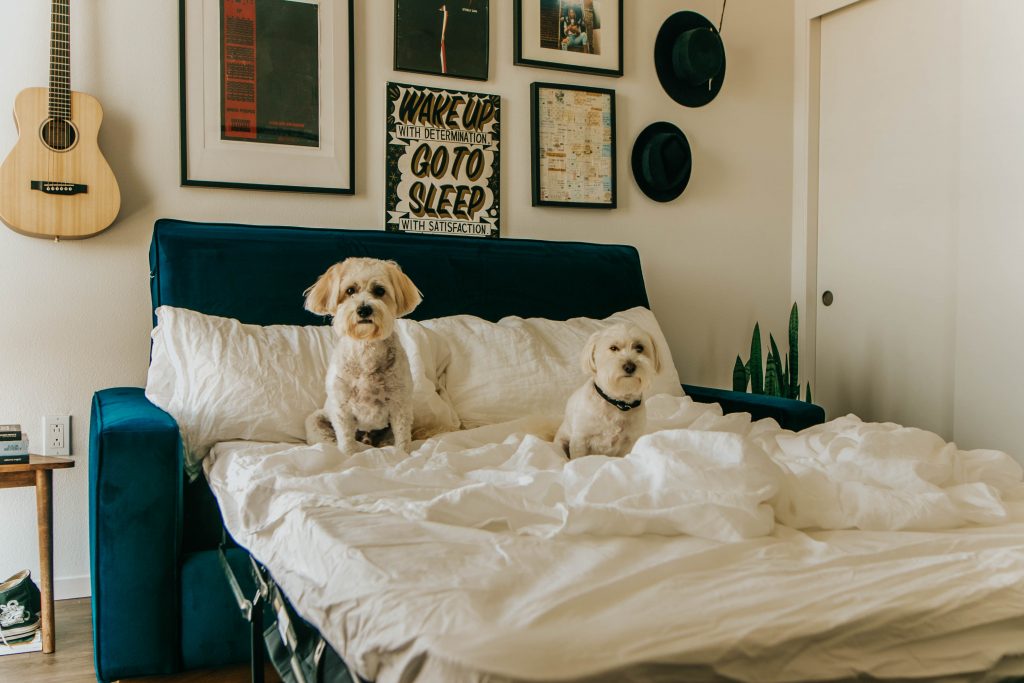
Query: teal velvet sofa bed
pixel 161 602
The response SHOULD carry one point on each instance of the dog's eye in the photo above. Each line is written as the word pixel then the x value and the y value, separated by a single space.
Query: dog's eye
pixel 378 291
pixel 639 348
pixel 350 291
pixel 613 349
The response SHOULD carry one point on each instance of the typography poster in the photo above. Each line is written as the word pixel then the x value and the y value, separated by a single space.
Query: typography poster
pixel 442 161
pixel 270 72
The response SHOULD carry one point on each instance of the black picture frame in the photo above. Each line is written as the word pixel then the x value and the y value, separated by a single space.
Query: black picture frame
pixel 322 163
pixel 538 33
pixel 554 196
pixel 429 42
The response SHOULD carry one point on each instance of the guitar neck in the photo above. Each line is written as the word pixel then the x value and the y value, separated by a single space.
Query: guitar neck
pixel 60 60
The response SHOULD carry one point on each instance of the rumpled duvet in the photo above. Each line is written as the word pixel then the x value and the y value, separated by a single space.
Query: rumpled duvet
pixel 486 555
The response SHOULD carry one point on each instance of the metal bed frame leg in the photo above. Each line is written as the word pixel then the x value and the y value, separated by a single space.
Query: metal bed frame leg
pixel 256 658
pixel 252 610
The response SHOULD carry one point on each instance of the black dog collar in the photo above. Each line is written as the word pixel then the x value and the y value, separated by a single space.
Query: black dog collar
pixel 621 405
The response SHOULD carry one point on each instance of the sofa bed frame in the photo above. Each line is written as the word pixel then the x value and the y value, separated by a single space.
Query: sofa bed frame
pixel 161 602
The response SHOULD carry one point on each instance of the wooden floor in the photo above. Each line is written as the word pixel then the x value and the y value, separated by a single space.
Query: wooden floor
pixel 72 662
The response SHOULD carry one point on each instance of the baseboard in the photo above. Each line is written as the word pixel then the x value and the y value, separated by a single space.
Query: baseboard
pixel 68 587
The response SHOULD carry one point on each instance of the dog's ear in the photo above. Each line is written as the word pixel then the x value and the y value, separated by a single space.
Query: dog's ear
pixel 322 298
pixel 407 297
pixel 587 359
pixel 655 355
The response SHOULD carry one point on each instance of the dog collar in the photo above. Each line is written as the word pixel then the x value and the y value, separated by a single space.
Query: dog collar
pixel 621 405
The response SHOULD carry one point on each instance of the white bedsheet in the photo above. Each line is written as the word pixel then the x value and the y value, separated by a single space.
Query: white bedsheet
pixel 483 555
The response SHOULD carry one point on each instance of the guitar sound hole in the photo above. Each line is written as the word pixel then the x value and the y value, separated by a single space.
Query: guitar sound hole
pixel 59 135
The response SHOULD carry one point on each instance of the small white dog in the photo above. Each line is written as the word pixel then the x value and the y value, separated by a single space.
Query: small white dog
pixel 369 384
pixel 606 415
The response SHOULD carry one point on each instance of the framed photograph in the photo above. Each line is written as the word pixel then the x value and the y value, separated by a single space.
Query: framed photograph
pixel 443 37
pixel 443 164
pixel 572 35
pixel 573 132
pixel 267 95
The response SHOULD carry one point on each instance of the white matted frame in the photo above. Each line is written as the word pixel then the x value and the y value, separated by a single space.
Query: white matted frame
pixel 209 161
pixel 806 128
pixel 527 49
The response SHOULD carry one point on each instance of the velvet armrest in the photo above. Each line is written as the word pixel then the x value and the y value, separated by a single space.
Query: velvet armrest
pixel 135 485
pixel 789 413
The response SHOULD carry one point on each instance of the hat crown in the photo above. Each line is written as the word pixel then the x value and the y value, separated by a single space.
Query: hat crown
pixel 665 161
pixel 697 55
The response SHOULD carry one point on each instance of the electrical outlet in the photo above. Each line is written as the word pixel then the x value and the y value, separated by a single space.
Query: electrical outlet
pixel 56 435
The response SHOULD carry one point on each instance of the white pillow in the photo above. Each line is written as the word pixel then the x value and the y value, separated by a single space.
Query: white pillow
pixel 223 380
pixel 516 367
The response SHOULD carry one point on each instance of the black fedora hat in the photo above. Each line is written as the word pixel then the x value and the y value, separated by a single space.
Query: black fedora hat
pixel 690 59
pixel 661 161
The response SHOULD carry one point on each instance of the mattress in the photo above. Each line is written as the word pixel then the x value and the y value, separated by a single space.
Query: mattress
pixel 718 549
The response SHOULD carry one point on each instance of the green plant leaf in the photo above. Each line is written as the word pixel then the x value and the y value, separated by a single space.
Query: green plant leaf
pixel 756 376
pixel 771 376
pixel 794 352
pixel 808 399
pixel 739 376
pixel 785 388
pixel 776 366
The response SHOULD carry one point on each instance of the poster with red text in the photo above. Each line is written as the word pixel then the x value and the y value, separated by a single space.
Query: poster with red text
pixel 270 72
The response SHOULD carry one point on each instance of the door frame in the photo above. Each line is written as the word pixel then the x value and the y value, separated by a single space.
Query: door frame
pixel 806 131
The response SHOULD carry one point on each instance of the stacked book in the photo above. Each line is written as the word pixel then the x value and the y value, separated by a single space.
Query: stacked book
pixel 13 445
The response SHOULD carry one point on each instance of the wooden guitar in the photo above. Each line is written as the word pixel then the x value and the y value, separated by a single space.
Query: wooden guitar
pixel 55 183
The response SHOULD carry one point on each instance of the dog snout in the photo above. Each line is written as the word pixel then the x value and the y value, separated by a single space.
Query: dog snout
pixel 629 367
pixel 364 311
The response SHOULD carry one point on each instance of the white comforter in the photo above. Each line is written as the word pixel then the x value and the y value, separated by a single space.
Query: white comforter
pixel 484 555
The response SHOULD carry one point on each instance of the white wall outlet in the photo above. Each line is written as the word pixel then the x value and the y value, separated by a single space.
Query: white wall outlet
pixel 56 435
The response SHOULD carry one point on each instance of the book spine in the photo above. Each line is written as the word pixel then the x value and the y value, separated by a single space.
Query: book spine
pixel 19 447
pixel 10 433
pixel 14 459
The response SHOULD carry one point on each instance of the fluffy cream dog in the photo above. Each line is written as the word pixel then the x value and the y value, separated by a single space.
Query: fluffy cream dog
pixel 369 385
pixel 606 415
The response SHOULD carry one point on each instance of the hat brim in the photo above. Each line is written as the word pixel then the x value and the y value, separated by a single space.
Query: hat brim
pixel 683 93
pixel 636 160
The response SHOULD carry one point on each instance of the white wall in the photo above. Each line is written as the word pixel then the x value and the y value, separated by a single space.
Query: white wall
pixel 990 280
pixel 76 314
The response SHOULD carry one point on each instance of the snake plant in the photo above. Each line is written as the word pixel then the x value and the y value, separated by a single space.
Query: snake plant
pixel 778 375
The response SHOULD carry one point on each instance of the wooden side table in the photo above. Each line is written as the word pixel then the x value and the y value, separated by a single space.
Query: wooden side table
pixel 38 472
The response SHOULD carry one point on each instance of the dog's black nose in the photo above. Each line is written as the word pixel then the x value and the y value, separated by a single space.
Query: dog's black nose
pixel 629 367
pixel 364 311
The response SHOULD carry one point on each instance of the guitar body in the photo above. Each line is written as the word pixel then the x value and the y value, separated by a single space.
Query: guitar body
pixel 55 183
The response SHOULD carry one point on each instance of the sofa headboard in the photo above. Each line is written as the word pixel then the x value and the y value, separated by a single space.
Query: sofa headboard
pixel 258 273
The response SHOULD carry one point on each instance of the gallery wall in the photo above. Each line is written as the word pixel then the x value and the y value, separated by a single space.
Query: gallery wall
pixel 76 315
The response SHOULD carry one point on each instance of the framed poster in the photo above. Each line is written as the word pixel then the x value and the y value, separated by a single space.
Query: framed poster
pixel 267 95
pixel 442 161
pixel 572 35
pixel 573 154
pixel 444 38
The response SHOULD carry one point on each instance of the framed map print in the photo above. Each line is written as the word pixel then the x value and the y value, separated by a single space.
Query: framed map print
pixel 573 131
pixel 267 94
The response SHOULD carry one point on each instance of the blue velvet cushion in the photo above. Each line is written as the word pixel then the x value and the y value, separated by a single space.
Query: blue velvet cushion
pixel 213 631
pixel 258 274
pixel 135 475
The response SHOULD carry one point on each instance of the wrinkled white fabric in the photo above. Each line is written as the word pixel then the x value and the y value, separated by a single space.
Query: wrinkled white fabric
pixel 484 555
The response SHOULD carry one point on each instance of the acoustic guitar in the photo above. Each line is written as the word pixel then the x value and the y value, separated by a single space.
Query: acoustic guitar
pixel 55 183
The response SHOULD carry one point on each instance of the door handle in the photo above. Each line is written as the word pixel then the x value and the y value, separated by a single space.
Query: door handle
pixel 827 298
